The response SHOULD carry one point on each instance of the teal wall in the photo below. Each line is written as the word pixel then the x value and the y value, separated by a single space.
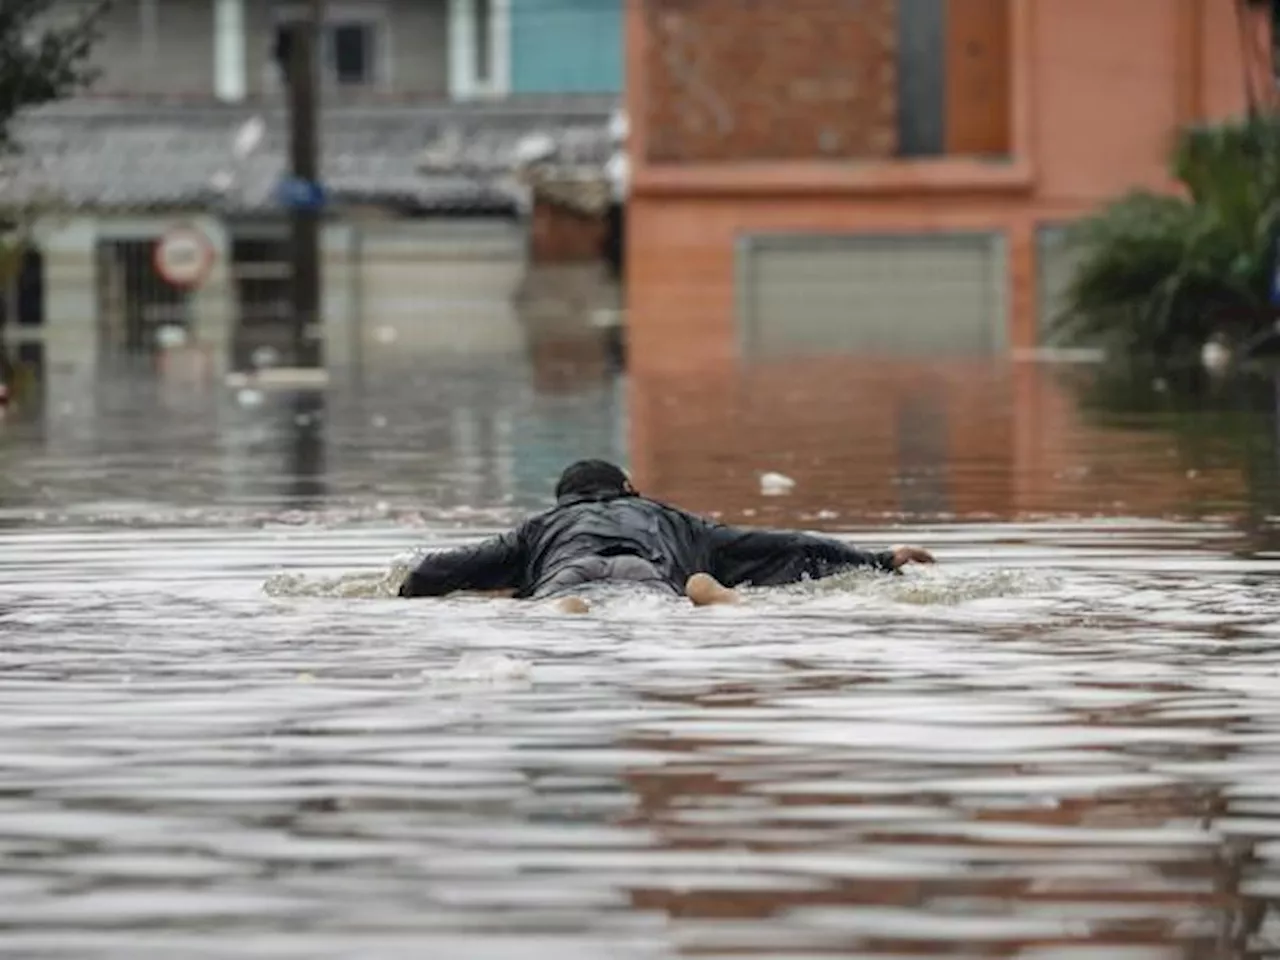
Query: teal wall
pixel 566 46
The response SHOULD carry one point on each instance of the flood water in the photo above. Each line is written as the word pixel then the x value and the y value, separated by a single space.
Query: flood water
pixel 223 737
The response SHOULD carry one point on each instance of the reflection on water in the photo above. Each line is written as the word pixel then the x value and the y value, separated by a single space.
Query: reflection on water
pixel 224 738
pixel 907 441
pixel 863 441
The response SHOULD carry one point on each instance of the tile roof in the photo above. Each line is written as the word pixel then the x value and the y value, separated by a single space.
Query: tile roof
pixel 133 156
pixel 572 165
pixel 576 146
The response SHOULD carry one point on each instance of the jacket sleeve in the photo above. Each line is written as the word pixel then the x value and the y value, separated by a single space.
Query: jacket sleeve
pixel 767 558
pixel 493 564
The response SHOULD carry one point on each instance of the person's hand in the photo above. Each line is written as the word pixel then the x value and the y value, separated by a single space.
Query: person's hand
pixel 902 555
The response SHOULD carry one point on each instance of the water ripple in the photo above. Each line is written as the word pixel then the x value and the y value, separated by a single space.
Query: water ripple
pixel 241 730
pixel 224 737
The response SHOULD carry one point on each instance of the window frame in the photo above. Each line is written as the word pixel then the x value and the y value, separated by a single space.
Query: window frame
pixel 372 16
pixel 464 80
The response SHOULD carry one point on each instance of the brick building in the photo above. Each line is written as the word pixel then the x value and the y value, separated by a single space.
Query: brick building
pixel 890 176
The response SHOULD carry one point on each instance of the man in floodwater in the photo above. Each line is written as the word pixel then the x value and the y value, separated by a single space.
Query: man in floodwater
pixel 602 532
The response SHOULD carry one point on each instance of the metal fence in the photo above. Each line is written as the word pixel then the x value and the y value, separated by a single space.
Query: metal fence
pixel 137 307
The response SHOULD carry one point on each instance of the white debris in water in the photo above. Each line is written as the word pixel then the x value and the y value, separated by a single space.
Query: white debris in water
pixel 249 397
pixel 776 484
pixel 386 334
pixel 378 420
pixel 485 667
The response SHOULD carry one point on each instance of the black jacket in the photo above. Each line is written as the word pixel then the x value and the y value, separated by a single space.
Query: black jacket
pixel 677 543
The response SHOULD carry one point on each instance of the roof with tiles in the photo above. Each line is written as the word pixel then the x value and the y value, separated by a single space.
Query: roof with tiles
pixel 132 157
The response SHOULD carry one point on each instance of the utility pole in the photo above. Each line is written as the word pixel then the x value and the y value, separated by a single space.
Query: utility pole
pixel 305 197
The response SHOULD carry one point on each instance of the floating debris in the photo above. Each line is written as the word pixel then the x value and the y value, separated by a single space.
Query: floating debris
pixel 776 484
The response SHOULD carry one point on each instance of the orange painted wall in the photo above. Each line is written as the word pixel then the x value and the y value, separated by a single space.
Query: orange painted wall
pixel 681 290
pixel 1098 90
pixel 1105 91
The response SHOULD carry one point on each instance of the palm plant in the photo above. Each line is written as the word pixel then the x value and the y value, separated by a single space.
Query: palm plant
pixel 1158 275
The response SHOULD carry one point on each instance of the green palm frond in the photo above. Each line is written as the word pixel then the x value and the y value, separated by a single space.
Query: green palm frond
pixel 1157 273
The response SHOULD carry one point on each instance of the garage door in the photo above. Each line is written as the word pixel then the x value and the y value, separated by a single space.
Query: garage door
pixel 440 286
pixel 914 295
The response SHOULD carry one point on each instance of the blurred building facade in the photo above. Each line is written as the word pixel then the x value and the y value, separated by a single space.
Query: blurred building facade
pixel 425 107
pixel 891 177
pixel 374 51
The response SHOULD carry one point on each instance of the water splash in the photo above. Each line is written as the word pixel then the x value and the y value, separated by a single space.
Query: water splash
pixel 926 586
pixel 905 734
pixel 935 588
pixel 920 587
pixel 347 586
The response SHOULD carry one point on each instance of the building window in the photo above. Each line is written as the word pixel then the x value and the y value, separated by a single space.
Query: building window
pixel 351 53
pixel 954 78
pixel 350 50
pixel 479 47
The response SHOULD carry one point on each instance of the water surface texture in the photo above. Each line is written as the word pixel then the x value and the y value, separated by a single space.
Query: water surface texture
pixel 223 737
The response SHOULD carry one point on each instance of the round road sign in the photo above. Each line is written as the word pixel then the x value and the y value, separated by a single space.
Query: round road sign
pixel 184 256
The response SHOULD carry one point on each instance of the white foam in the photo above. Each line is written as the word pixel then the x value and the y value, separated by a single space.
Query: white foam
pixel 477 667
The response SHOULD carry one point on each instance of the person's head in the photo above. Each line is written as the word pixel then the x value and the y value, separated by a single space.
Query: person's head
pixel 594 478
